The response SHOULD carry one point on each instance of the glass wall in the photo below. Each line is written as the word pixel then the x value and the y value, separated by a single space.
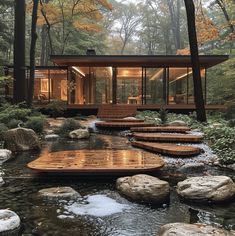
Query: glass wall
pixel 155 90
pixel 129 85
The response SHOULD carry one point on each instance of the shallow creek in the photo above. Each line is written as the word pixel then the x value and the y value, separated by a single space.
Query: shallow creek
pixel 101 210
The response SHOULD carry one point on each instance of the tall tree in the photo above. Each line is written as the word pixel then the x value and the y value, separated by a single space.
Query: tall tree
pixel 198 94
pixel 19 93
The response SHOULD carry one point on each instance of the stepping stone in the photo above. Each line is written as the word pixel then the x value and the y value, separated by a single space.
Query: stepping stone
pixel 169 129
pixel 168 148
pixel 120 125
pixel 97 161
pixel 168 137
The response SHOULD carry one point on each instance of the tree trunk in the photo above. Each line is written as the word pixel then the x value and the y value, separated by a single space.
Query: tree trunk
pixel 32 53
pixel 44 45
pixel 198 93
pixel 20 84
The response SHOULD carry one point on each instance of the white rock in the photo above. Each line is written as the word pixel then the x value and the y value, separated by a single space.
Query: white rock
pixel 130 118
pixel 59 193
pixel 79 134
pixel 184 229
pixel 1 182
pixel 144 188
pixel 9 220
pixel 5 154
pixel 207 188
pixel 177 123
pixel 51 136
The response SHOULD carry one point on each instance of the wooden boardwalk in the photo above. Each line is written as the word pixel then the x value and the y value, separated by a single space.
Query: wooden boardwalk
pixel 97 161
pixel 168 137
pixel 169 129
pixel 121 125
pixel 122 120
pixel 168 148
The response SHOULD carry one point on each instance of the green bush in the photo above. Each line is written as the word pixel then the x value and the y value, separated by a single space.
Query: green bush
pixel 3 128
pixel 68 126
pixel 35 123
pixel 14 123
pixel 56 108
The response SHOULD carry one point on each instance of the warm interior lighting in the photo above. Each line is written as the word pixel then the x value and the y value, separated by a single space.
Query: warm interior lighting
pixel 181 76
pixel 157 74
pixel 80 72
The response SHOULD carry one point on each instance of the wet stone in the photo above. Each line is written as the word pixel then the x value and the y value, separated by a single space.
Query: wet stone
pixel 59 193
pixel 9 222
pixel 5 154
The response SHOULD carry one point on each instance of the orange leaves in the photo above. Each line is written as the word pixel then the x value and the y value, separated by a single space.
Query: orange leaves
pixel 184 51
pixel 206 30
pixel 87 26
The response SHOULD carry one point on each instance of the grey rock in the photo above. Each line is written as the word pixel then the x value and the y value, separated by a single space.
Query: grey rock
pixel 59 193
pixel 5 154
pixel 177 123
pixel 144 188
pixel 79 134
pixel 51 136
pixel 9 221
pixel 184 229
pixel 1 182
pixel 190 168
pixel 231 166
pixel 21 139
pixel 207 188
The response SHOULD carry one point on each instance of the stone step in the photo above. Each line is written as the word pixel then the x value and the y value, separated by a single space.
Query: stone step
pixel 169 129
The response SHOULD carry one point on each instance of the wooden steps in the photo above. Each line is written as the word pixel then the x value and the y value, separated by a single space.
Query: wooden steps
pixel 97 161
pixel 120 125
pixel 168 148
pixel 116 111
pixel 169 129
pixel 168 137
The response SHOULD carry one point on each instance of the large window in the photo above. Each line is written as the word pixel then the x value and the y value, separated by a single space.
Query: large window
pixel 129 85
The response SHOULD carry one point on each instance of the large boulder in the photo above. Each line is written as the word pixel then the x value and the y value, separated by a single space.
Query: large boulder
pixel 59 193
pixel 177 123
pixel 79 134
pixel 144 188
pixel 1 182
pixel 9 222
pixel 183 229
pixel 191 168
pixel 207 188
pixel 21 139
pixel 4 155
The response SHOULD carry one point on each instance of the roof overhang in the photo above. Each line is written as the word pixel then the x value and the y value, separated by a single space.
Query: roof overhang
pixel 136 60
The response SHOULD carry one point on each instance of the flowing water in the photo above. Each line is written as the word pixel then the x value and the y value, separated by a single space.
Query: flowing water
pixel 101 210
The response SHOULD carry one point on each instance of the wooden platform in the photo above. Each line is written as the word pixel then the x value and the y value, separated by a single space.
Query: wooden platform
pixel 168 148
pixel 116 111
pixel 97 161
pixel 121 125
pixel 168 137
pixel 169 129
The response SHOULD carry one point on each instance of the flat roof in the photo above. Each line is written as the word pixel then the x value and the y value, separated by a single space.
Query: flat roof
pixel 136 60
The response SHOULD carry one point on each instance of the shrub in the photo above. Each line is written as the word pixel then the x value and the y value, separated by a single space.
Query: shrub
pixel 14 123
pixel 68 126
pixel 56 108
pixel 163 115
pixel 35 123
pixel 3 128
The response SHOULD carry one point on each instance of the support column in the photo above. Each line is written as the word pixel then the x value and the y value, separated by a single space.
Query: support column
pixel 114 97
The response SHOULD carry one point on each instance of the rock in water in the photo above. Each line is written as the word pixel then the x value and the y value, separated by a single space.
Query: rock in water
pixel 4 155
pixel 21 139
pixel 9 221
pixel 207 188
pixel 144 188
pixel 79 134
pixel 1 182
pixel 183 229
pixel 177 123
pixel 49 137
pixel 59 193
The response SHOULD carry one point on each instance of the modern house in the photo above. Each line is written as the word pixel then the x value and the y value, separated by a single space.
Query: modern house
pixel 147 82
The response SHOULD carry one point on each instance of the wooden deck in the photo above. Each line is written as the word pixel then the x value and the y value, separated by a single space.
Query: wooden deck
pixel 168 148
pixel 169 129
pixel 122 120
pixel 121 125
pixel 168 137
pixel 97 161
